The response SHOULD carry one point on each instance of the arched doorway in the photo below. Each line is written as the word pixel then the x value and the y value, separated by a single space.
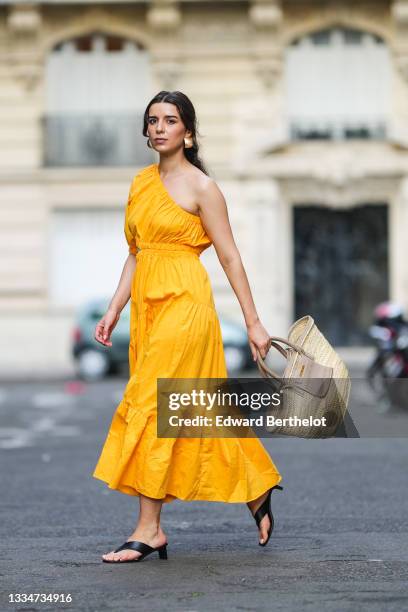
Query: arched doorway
pixel 341 268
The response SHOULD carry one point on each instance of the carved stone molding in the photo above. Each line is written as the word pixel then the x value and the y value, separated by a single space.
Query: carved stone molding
pixel 401 61
pixel 265 14
pixel 168 73
pixel 164 15
pixel 266 18
pixel 164 18
pixel 96 20
pixel 340 174
pixel 27 71
pixel 30 76
pixel 24 23
pixel 399 12
pixel 314 21
pixel 269 70
pixel 24 18
pixel 359 191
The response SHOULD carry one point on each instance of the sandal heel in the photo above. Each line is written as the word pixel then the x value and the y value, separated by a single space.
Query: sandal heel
pixel 163 551
pixel 265 508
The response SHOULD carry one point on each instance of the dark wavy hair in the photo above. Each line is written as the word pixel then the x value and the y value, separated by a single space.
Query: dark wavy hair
pixel 188 117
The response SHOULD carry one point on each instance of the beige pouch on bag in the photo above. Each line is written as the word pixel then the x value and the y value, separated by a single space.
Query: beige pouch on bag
pixel 315 382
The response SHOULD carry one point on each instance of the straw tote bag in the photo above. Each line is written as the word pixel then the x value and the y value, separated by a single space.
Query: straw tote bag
pixel 315 382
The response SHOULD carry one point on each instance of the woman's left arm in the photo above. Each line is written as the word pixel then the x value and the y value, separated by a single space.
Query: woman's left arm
pixel 214 216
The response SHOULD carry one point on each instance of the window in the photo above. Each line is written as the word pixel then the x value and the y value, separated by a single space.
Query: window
pixel 97 87
pixel 337 85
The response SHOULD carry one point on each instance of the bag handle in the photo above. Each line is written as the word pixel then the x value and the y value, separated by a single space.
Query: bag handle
pixel 273 341
pixel 278 347
pixel 296 347
pixel 263 368
pixel 265 371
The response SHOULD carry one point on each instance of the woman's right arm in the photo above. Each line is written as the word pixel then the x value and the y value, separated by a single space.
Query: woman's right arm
pixel 107 324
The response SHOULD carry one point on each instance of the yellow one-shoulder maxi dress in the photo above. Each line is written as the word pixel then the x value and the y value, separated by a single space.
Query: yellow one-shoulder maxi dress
pixel 174 333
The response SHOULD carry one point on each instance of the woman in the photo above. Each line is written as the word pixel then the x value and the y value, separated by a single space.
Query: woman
pixel 173 213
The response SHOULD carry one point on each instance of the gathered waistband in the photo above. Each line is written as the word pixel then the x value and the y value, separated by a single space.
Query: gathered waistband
pixel 166 247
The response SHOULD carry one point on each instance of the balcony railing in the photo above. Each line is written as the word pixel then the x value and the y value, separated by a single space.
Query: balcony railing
pixel 94 140
pixel 338 128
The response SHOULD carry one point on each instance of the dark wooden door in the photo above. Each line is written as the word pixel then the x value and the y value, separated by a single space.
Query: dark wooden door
pixel 341 268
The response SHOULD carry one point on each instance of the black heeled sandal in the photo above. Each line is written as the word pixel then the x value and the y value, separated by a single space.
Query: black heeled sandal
pixel 145 549
pixel 265 508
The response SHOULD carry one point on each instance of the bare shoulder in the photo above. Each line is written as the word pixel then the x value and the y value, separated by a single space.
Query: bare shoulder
pixel 204 186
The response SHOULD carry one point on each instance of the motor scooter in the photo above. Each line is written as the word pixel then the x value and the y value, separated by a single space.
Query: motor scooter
pixel 389 368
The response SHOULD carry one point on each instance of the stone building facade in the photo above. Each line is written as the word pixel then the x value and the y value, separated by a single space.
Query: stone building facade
pixel 303 112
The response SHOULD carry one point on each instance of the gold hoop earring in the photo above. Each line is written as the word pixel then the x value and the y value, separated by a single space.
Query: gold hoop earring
pixel 188 143
pixel 149 144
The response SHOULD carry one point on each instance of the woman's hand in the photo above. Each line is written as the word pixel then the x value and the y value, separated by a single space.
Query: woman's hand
pixel 258 339
pixel 105 327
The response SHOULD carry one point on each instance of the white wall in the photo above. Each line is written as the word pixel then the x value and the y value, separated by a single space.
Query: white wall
pixel 86 253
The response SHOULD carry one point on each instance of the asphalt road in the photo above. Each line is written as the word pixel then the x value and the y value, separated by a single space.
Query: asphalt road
pixel 341 523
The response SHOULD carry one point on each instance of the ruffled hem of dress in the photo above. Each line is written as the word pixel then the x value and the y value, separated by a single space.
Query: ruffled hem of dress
pixel 126 464
pixel 172 496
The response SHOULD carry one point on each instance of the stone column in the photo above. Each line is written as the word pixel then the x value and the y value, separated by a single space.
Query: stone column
pixel 398 129
pixel 266 18
pixel 398 253
pixel 164 19
pixel 21 78
pixel 268 254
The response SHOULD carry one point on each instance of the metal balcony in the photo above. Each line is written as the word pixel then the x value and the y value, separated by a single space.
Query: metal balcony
pixel 94 140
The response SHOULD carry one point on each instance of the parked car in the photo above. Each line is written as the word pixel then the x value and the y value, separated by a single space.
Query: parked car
pixel 94 361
